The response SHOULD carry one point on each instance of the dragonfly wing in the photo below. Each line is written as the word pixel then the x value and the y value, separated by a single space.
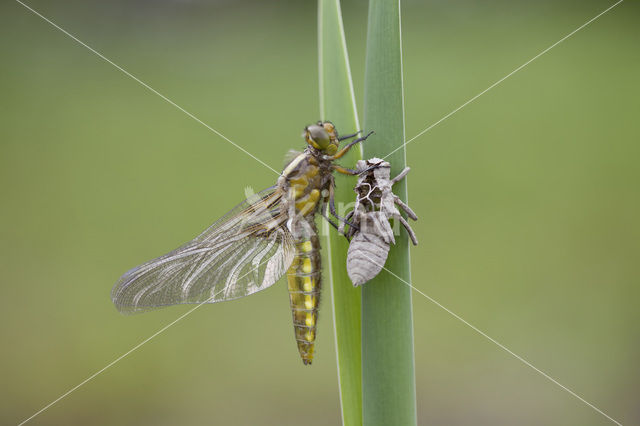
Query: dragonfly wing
pixel 246 251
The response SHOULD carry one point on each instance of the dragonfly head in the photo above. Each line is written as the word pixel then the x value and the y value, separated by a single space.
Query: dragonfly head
pixel 322 136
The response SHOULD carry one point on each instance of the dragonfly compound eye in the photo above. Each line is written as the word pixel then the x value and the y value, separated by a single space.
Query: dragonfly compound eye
pixel 318 137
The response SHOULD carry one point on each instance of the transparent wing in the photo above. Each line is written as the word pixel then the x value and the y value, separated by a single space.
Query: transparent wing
pixel 245 251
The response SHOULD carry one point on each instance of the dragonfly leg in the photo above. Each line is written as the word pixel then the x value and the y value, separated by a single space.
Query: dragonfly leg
pixel 340 228
pixel 353 135
pixel 344 170
pixel 401 175
pixel 349 233
pixel 406 225
pixel 368 169
pixel 323 213
pixel 405 207
pixel 332 208
pixel 346 149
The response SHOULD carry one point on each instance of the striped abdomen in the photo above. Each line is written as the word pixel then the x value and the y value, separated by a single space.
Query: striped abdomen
pixel 304 183
pixel 303 278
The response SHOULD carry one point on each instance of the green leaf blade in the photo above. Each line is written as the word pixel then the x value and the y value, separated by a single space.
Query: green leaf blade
pixel 387 321
pixel 337 104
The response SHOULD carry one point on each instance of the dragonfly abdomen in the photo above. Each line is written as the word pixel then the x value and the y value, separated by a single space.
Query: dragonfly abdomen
pixel 304 280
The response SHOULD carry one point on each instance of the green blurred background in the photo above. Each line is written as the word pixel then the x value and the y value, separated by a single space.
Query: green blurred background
pixel 528 202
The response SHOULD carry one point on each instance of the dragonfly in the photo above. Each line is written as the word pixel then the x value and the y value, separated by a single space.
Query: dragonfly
pixel 270 234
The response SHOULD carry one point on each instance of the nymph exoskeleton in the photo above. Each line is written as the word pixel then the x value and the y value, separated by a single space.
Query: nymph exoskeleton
pixel 372 234
pixel 252 246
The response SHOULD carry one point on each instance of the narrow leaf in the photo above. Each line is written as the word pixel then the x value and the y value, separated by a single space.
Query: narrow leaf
pixel 337 104
pixel 387 329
